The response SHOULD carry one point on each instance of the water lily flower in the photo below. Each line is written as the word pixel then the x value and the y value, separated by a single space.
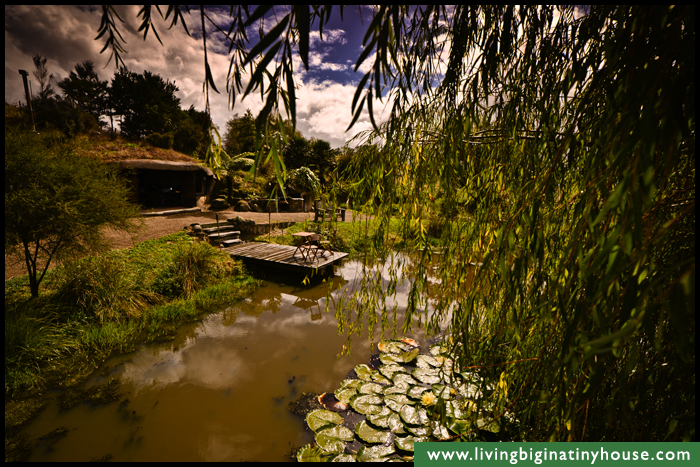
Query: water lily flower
pixel 428 398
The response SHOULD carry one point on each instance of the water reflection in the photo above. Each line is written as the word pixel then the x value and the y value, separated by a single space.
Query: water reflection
pixel 220 390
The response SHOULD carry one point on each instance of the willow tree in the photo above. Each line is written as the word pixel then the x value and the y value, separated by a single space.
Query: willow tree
pixel 554 149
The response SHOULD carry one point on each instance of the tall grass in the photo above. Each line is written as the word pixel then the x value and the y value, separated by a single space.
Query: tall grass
pixel 96 307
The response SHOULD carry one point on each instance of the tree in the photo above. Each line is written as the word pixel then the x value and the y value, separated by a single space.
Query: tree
pixel 240 134
pixel 146 102
pixel 42 75
pixel 574 132
pixel 84 89
pixel 57 203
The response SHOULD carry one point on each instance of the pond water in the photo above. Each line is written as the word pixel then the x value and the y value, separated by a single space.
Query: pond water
pixel 220 390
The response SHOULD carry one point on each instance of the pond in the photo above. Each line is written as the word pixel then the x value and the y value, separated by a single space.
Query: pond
pixel 220 390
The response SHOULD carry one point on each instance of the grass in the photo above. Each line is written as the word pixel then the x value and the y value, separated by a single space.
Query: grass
pixel 350 237
pixel 97 307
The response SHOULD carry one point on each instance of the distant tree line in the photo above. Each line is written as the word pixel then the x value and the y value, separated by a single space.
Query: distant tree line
pixel 143 104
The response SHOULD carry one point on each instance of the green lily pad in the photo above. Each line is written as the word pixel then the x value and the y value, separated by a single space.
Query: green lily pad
pixel 320 417
pixel 416 391
pixel 405 378
pixel 349 383
pixel 330 444
pixel 443 391
pixel 421 431
pixel 438 349
pixel 427 375
pixel 390 358
pixel 413 416
pixel 439 431
pixel 395 401
pixel 426 361
pixel 311 453
pixel 406 443
pixel 370 435
pixel 367 404
pixel 459 427
pixel 393 346
pixel 410 355
pixel 380 378
pixel 484 424
pixel 337 431
pixel 395 423
pixel 380 420
pixel 375 453
pixel 400 388
pixel 469 391
pixel 370 388
pixel 389 370
pixel 345 394
pixel 344 457
pixel 363 372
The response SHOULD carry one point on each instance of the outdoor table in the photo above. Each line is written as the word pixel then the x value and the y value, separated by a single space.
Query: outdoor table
pixel 302 239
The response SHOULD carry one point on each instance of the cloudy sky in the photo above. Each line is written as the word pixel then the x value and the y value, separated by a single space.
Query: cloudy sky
pixel 65 36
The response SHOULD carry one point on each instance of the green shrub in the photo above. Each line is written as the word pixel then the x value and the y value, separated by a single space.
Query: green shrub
pixel 102 287
pixel 158 140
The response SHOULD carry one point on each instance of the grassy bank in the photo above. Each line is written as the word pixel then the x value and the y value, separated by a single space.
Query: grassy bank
pixel 101 306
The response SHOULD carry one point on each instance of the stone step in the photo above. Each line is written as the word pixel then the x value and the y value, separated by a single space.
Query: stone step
pixel 232 242
pixel 222 223
pixel 217 237
pixel 221 228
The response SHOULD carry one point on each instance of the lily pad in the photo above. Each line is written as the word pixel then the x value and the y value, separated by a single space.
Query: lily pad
pixel 380 378
pixel 330 444
pixel 367 404
pixel 370 388
pixel 484 424
pixel 443 391
pixel 389 370
pixel 390 358
pixel 412 415
pixel 395 401
pixel 438 349
pixel 380 420
pixel 349 383
pixel 405 378
pixel 427 375
pixel 426 361
pixel 422 431
pixel 375 453
pixel 399 388
pixel 320 417
pixel 393 346
pixel 410 355
pixel 439 431
pixel 406 443
pixel 337 431
pixel 311 453
pixel 345 394
pixel 370 435
pixel 416 391
pixel 363 372
pixel 344 457
pixel 395 423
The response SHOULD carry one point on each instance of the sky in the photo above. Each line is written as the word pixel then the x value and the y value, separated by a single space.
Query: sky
pixel 65 35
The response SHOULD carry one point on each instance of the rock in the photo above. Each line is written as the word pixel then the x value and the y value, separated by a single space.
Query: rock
pixel 219 203
pixel 196 227
pixel 242 206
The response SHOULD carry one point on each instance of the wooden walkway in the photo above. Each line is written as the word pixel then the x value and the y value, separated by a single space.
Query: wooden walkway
pixel 280 256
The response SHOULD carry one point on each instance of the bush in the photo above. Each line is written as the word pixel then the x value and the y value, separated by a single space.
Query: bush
pixel 102 287
pixel 163 141
pixel 193 267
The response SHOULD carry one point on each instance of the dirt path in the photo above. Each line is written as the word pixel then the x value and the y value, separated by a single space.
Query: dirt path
pixel 157 226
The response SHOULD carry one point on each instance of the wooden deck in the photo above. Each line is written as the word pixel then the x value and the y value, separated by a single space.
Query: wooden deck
pixel 280 256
